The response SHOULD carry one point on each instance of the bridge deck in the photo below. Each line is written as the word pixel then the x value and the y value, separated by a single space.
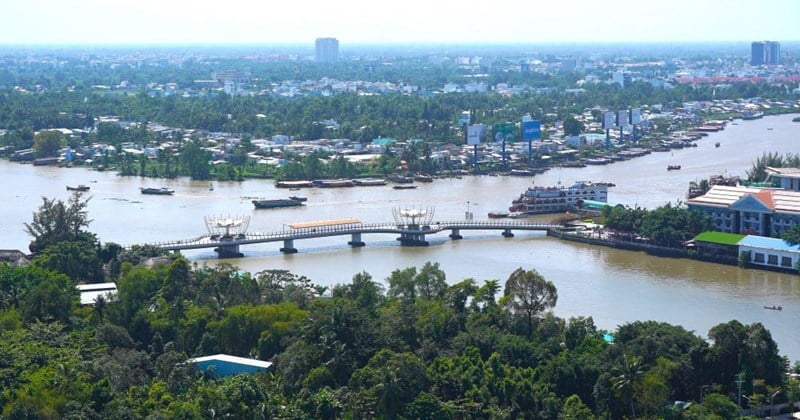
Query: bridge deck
pixel 326 229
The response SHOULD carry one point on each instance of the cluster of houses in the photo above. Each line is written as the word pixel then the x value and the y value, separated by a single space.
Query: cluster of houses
pixel 749 221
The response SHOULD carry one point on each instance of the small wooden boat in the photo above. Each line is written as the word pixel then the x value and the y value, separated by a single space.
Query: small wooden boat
pixel 498 214
pixel 404 187
pixel 298 198
pixel 80 187
pixel 716 144
pixel 673 167
pixel 774 308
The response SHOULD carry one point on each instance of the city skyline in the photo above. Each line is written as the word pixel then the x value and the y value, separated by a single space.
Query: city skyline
pixel 43 22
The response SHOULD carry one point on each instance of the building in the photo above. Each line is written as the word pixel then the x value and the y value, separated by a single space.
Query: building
pixel 765 52
pixel 90 292
pixel 785 178
pixel 327 50
pixel 750 211
pixel 221 365
pixel 770 252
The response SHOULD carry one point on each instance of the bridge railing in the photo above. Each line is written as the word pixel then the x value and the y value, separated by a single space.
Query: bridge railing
pixel 293 233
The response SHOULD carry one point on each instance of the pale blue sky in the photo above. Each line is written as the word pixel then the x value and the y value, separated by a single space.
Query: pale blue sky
pixel 408 21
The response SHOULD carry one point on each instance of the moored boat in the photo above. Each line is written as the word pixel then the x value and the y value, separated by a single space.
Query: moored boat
pixel 298 198
pixel 333 183
pixel 369 182
pixel 157 191
pixel 423 178
pixel 404 187
pixel 294 184
pixel 543 200
pixel 498 214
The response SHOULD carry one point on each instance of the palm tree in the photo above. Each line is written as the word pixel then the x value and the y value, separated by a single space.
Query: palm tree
pixel 629 375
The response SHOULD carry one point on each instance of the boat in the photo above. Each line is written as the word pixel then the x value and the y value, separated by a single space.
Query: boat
pixel 498 214
pixel 774 308
pixel 276 203
pixel 211 186
pixel 399 179
pixel 369 182
pixel 298 198
pixel 543 200
pixel 752 115
pixel 673 167
pixel 80 187
pixel 157 191
pixel 716 144
pixel 294 184
pixel 333 183
pixel 404 187
pixel 769 128
pixel 522 172
pixel 423 178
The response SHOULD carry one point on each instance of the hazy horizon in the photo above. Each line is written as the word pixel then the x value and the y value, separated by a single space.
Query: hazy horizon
pixel 238 22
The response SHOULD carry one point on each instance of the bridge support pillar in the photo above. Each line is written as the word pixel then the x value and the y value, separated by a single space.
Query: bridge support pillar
pixel 507 233
pixel 412 238
pixel 228 251
pixel 456 234
pixel 288 247
pixel 355 240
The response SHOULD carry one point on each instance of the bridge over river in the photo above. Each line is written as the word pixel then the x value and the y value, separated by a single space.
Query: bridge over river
pixel 227 244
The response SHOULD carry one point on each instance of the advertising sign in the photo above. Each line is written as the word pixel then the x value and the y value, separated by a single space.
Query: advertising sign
pixel 636 115
pixel 506 132
pixel 622 117
pixel 475 134
pixel 531 130
pixel 608 120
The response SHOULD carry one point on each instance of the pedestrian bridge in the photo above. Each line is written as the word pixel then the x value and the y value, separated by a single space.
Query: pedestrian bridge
pixel 228 245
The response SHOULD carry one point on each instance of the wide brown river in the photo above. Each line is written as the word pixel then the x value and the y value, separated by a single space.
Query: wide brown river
pixel 612 286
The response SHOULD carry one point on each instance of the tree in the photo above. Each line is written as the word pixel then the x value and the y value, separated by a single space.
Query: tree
pixel 56 221
pixel 529 294
pixel 792 235
pixel 627 380
pixel 572 127
pixel 574 408
pixel 47 143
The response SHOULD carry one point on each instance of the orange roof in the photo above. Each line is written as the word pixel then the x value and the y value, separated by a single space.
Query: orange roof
pixel 765 196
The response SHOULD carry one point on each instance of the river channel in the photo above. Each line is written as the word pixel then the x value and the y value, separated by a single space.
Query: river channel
pixel 612 286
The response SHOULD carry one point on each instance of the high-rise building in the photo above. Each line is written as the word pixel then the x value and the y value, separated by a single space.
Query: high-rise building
pixel 765 52
pixel 327 50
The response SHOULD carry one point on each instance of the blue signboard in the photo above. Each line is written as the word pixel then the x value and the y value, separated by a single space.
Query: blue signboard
pixel 531 130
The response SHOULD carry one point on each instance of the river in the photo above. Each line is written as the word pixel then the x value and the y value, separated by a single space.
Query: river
pixel 613 286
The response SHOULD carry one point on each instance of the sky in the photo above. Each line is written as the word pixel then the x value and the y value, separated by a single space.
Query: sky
pixel 118 22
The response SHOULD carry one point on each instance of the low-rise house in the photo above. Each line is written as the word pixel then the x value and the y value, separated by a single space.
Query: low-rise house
pixel 770 252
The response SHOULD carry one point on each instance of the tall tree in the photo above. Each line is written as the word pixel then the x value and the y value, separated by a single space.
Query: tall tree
pixel 47 143
pixel 528 293
pixel 56 221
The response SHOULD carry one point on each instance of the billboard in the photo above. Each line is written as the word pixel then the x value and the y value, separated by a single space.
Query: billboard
pixel 506 132
pixel 475 134
pixel 608 120
pixel 622 117
pixel 636 115
pixel 531 130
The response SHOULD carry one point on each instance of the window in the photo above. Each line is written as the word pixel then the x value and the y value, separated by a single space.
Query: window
pixel 772 259
pixel 758 257
pixel 786 261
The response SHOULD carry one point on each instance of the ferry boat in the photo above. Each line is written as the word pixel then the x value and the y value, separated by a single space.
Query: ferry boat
pixel 543 200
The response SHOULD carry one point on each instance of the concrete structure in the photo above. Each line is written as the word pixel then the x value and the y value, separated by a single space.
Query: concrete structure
pixel 327 50
pixel 90 292
pixel 765 52
pixel 785 178
pixel 220 365
pixel 770 252
pixel 754 211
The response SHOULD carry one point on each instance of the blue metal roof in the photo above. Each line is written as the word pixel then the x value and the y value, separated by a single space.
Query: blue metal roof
pixel 768 243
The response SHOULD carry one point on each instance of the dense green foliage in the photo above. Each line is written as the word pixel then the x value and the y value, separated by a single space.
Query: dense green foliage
pixel 667 225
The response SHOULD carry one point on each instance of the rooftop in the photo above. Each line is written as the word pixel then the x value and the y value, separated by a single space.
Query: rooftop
pixel 719 238
pixel 763 242
pixel 782 201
